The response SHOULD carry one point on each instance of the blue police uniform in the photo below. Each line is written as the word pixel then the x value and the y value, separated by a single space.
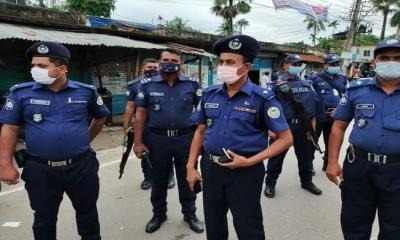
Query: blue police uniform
pixel 59 155
pixel 304 93
pixel 170 132
pixel 371 169
pixel 329 89
pixel 240 124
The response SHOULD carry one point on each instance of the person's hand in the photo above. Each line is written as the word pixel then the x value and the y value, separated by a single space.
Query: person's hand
pixel 333 172
pixel 9 174
pixel 238 161
pixel 139 149
pixel 192 176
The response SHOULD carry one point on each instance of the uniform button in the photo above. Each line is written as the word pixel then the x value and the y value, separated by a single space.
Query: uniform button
pixel 221 133
pixel 225 116
pixel 172 99
pixel 229 102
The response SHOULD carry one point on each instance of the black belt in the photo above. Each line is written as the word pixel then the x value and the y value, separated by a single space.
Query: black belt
pixel 60 163
pixel 372 157
pixel 173 132
pixel 216 157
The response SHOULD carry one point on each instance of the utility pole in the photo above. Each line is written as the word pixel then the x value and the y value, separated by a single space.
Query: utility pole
pixel 353 26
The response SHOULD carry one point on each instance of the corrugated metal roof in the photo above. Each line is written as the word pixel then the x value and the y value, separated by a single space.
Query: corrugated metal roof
pixel 190 50
pixel 10 31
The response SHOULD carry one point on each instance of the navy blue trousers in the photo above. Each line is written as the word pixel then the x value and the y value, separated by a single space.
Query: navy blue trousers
pixel 46 186
pixel 368 188
pixel 237 190
pixel 163 150
pixel 303 149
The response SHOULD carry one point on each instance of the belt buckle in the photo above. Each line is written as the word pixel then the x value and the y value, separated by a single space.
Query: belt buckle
pixel 377 158
pixel 60 163
pixel 214 158
pixel 172 133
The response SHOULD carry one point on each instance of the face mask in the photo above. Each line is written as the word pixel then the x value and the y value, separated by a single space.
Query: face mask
pixel 151 73
pixel 228 75
pixel 41 76
pixel 169 67
pixel 388 70
pixel 295 71
pixel 333 70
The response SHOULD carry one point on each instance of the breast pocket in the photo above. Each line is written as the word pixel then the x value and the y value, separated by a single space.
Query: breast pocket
pixel 364 117
pixel 186 102
pixel 212 117
pixel 392 121
pixel 36 113
pixel 157 104
pixel 241 121
pixel 75 112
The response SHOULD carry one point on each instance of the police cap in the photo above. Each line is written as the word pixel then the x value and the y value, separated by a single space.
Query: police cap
pixel 391 43
pixel 294 58
pixel 240 44
pixel 331 58
pixel 48 49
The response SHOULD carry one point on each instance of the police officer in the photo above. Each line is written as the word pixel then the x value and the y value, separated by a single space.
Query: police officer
pixel 329 86
pixel 371 169
pixel 165 106
pixel 149 69
pixel 55 112
pixel 303 93
pixel 235 116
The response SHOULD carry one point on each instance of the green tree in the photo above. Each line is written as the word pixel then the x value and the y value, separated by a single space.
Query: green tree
pixel 333 25
pixel 384 7
pixel 180 25
pixel 328 43
pixel 241 24
pixel 366 40
pixel 296 44
pixel 316 26
pixel 228 10
pixel 102 8
pixel 395 21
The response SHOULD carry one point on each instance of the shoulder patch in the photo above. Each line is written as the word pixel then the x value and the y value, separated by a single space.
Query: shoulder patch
pixel 361 83
pixel 22 85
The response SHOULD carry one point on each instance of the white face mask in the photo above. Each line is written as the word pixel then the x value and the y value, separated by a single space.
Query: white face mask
pixel 388 70
pixel 228 74
pixel 41 76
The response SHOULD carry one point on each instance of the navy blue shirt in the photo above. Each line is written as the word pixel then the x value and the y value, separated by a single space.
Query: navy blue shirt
pixel 239 123
pixel 376 116
pixel 303 92
pixel 169 107
pixel 56 124
pixel 133 87
pixel 327 95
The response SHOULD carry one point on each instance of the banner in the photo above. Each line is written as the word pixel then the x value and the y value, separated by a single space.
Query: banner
pixel 317 13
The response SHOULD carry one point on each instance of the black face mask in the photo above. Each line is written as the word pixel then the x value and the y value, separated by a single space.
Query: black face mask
pixel 151 73
pixel 170 67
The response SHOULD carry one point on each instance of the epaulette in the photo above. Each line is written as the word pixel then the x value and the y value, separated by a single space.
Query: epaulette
pixel 21 85
pixel 360 83
pixel 145 80
pixel 212 88
pixel 84 85
pixel 265 93
pixel 134 81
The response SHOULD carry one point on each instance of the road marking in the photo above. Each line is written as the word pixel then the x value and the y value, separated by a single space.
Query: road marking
pixel 22 188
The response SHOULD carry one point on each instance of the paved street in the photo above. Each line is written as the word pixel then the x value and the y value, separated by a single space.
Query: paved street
pixel 125 209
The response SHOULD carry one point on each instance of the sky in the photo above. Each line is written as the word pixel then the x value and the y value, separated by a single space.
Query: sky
pixel 266 24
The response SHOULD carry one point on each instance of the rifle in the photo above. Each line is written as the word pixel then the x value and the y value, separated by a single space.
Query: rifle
pixel 126 150
pixel 300 112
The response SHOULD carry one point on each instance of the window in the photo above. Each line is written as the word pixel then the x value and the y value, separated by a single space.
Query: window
pixel 367 53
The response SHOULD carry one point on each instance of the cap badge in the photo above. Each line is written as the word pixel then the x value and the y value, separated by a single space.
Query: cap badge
pixel 43 49
pixel 235 44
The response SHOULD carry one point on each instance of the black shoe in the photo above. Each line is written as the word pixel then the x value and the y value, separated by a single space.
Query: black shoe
pixel 155 223
pixel 171 182
pixel 194 223
pixel 312 188
pixel 146 184
pixel 269 191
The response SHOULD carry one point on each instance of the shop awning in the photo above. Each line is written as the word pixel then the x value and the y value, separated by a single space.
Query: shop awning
pixel 309 57
pixel 10 31
pixel 190 50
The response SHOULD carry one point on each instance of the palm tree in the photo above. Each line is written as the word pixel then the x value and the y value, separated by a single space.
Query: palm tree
pixel 180 25
pixel 229 9
pixel 316 26
pixel 395 21
pixel 384 7
pixel 241 24
pixel 333 25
